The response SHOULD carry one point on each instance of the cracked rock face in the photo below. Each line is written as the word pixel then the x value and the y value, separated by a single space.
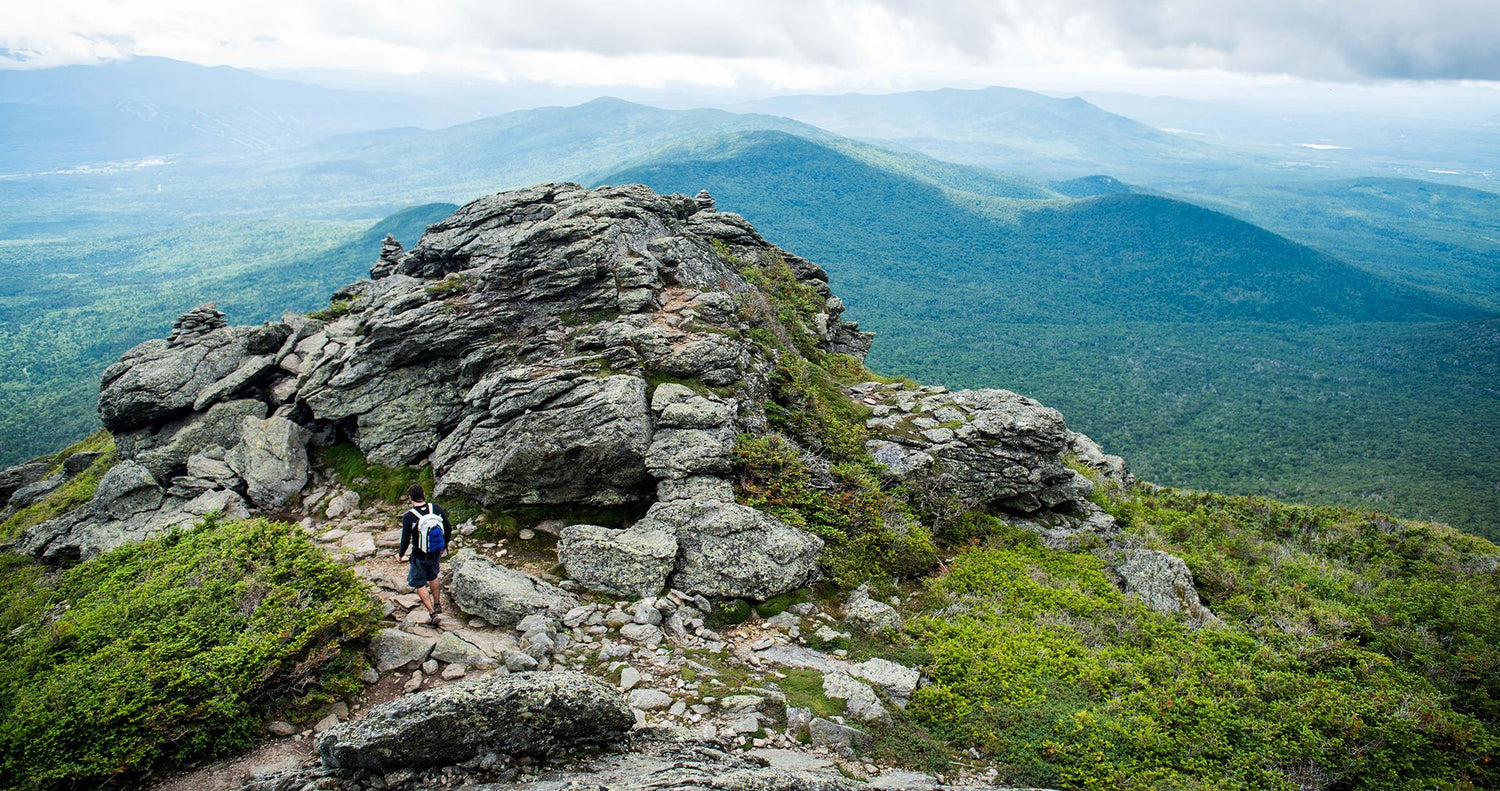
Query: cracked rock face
pixel 991 448
pixel 525 714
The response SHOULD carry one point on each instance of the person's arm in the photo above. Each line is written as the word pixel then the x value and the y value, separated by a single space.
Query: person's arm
pixel 405 536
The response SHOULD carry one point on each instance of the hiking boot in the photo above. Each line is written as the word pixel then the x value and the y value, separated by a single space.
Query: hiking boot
pixel 437 609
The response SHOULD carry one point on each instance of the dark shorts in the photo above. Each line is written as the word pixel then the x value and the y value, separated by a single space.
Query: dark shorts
pixel 423 571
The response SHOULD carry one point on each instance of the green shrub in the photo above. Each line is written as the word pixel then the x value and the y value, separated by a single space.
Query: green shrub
pixel 170 650
pixel 867 532
pixel 808 404
pixel 1355 652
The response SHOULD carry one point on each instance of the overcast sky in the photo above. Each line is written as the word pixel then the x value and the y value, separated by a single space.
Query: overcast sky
pixel 790 45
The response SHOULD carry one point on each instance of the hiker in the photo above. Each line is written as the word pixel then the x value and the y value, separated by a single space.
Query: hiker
pixel 425 529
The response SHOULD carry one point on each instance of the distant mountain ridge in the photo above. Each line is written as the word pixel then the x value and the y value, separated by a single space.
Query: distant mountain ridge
pixel 1105 258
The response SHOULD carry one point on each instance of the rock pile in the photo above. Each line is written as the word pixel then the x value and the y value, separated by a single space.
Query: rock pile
pixel 199 321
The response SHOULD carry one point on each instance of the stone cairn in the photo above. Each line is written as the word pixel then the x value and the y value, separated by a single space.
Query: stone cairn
pixel 704 200
pixel 197 322
pixel 390 255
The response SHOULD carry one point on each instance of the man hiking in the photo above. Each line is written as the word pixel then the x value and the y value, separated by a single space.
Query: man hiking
pixel 424 528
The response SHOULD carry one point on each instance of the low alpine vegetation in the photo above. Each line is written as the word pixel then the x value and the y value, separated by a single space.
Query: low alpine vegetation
pixel 170 650
pixel 1355 652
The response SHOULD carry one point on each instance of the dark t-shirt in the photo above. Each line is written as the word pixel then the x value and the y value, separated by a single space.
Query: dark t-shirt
pixel 409 531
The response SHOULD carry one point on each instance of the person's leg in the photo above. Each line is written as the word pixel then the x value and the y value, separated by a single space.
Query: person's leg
pixel 437 594
pixel 417 578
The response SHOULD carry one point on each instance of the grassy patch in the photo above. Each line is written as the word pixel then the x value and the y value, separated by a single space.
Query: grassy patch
pixel 450 286
pixel 335 309
pixel 804 689
pixel 72 494
pixel 170 650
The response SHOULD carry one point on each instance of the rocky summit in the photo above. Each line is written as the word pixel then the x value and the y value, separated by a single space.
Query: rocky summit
pixel 640 357
pixel 551 346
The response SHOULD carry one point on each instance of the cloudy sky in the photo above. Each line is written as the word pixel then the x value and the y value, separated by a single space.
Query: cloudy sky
pixel 788 45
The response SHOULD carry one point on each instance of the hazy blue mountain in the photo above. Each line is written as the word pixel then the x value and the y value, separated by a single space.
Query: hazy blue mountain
pixel 1005 128
pixel 143 107
pixel 1273 169
pixel 367 174
pixel 1211 352
pixel 1448 141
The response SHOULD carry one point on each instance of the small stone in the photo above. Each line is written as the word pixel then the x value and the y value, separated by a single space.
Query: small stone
pixel 747 723
pixel 526 534
pixel 326 723
pixel 647 635
pixel 740 703
pixel 517 662
pixel 649 699
pixel 414 683
pixel 280 728
pixel 430 667
pixel 452 672
pixel 629 677
pixel 370 675
pixel 647 613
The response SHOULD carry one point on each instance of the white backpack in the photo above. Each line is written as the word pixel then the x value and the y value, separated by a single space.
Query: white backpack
pixel 426 524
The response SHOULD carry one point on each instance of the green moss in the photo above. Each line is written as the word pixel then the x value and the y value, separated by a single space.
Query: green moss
pixel 804 689
pixel 170 650
pixel 335 309
pixel 508 521
pixel 451 285
pixel 372 481
pixel 731 612
pixel 777 605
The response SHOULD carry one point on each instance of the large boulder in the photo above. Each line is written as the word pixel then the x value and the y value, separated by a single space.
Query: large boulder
pixel 271 457
pixel 661 758
pixel 128 506
pixel 734 551
pixel 990 448
pixel 1162 582
pixel 522 714
pixel 632 562
pixel 13 479
pixel 161 379
pixel 501 595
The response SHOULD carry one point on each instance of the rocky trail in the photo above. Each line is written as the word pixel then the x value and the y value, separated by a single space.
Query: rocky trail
pixel 504 613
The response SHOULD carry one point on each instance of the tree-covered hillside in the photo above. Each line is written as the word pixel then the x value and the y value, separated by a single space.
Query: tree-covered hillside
pixel 1208 351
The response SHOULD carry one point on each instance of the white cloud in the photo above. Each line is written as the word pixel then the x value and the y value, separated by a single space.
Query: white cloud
pixel 783 44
